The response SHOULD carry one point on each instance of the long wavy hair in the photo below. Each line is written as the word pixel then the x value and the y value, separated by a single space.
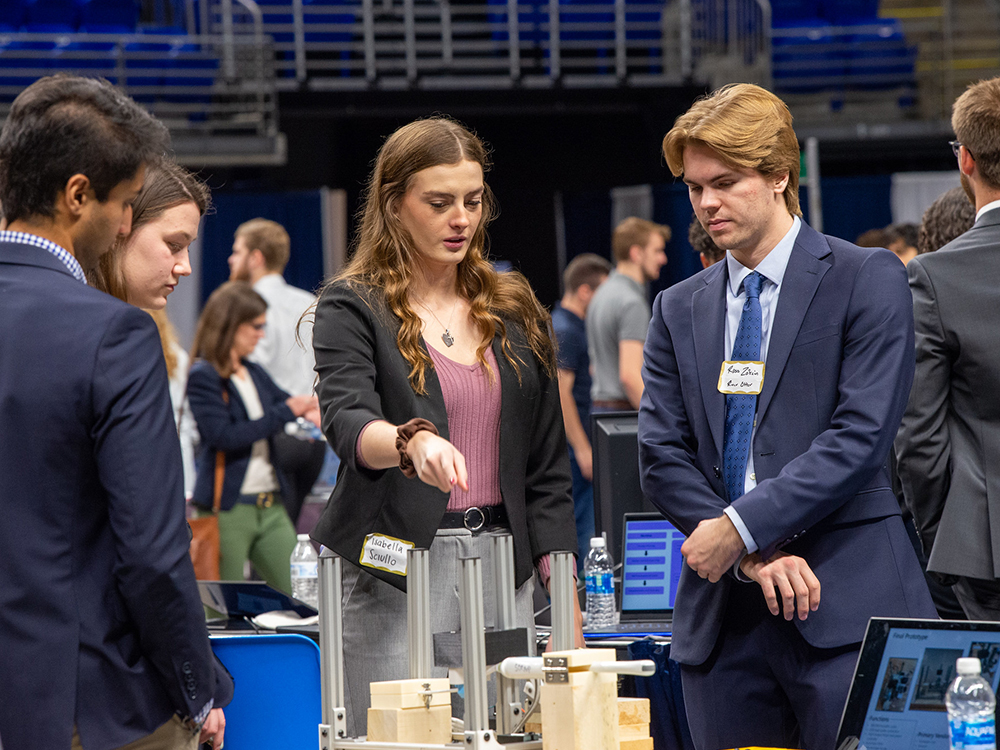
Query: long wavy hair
pixel 383 257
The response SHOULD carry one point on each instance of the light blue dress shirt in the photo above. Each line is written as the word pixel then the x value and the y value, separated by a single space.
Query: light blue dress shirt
pixel 772 268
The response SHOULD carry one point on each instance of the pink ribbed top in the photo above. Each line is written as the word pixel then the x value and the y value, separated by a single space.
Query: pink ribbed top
pixel 473 406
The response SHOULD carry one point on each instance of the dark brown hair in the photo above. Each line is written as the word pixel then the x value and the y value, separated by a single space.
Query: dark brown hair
pixel 703 243
pixel 231 305
pixel 167 185
pixel 949 216
pixel 382 260
pixel 586 268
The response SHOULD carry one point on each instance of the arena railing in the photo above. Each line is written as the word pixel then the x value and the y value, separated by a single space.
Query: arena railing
pixel 216 93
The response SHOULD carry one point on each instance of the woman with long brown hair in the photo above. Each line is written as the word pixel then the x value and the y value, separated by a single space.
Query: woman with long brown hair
pixel 437 389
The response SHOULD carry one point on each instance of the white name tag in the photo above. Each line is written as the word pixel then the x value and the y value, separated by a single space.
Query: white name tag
pixel 385 553
pixel 741 377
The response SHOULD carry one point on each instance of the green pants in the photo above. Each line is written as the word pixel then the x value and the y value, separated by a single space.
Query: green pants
pixel 264 536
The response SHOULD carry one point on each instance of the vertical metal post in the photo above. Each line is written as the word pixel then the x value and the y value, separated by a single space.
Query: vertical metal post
pixel 418 613
pixel 687 58
pixel 514 39
pixel 299 39
pixel 621 61
pixel 331 646
pixel 447 33
pixel 368 21
pixel 562 589
pixel 503 570
pixel 554 63
pixel 410 40
pixel 812 176
pixel 228 49
pixel 470 593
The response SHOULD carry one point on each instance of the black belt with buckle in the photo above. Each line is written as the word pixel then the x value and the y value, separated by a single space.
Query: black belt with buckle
pixel 260 499
pixel 476 519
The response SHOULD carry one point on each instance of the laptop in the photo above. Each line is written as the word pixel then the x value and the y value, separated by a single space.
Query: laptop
pixel 651 567
pixel 904 669
pixel 232 604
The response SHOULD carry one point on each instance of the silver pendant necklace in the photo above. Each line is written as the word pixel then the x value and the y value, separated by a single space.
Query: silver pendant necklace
pixel 446 337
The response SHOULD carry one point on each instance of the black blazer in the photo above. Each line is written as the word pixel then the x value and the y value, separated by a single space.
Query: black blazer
pixel 226 427
pixel 363 377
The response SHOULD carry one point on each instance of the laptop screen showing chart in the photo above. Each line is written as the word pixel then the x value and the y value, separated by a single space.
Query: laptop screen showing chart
pixel 651 566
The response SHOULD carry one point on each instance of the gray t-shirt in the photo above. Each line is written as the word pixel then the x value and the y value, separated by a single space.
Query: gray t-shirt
pixel 619 311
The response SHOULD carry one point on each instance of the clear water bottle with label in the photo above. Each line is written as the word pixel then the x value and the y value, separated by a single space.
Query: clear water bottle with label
pixel 971 706
pixel 305 572
pixel 598 570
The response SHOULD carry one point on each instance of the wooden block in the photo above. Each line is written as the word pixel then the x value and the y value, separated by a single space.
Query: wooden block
pixel 633 731
pixel 406 693
pixel 581 714
pixel 414 725
pixel 643 744
pixel 633 711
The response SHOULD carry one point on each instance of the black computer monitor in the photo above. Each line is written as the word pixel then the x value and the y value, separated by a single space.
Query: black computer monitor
pixel 616 474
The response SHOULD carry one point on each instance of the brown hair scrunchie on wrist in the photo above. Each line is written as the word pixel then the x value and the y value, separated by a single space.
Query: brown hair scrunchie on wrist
pixel 403 434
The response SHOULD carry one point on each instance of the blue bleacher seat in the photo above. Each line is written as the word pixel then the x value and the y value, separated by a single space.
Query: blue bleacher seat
pixel 51 16
pixel 11 15
pixel 109 16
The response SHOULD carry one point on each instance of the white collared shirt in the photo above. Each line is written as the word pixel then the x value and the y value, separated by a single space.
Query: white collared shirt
pixel 772 268
pixel 289 363
pixel 987 207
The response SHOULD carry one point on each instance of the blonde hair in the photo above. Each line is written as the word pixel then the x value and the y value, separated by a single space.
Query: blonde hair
pixel 382 260
pixel 748 127
pixel 270 238
pixel 975 119
pixel 634 231
pixel 168 337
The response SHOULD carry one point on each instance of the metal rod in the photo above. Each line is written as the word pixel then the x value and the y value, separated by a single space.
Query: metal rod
pixel 299 37
pixel 331 642
pixel 514 39
pixel 621 67
pixel 228 50
pixel 687 64
pixel 473 644
pixel 554 61
pixel 812 176
pixel 418 613
pixel 368 18
pixel 410 40
pixel 447 34
pixel 562 589
pixel 503 571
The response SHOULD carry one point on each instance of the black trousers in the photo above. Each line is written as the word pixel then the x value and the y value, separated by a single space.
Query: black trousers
pixel 301 461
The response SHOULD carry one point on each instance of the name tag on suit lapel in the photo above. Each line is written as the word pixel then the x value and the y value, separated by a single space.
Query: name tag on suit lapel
pixel 745 378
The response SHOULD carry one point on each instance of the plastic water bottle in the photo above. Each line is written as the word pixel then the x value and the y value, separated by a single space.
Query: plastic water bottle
pixel 305 572
pixel 598 570
pixel 971 705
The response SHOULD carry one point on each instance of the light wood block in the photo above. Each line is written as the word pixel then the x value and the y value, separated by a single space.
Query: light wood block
pixel 633 731
pixel 641 744
pixel 406 693
pixel 633 711
pixel 414 725
pixel 581 714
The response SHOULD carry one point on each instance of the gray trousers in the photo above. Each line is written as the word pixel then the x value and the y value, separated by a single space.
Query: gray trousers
pixel 375 635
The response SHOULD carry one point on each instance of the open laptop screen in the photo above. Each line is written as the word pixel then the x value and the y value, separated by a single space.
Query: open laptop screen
pixel 651 565
pixel 903 672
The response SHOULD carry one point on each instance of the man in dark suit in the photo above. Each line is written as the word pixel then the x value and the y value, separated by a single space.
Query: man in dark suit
pixel 948 447
pixel 102 633
pixel 776 474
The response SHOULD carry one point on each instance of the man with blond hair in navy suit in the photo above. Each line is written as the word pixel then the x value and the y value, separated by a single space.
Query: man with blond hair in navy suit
pixel 774 383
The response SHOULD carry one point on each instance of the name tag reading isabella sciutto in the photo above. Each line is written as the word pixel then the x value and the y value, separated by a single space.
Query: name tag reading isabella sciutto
pixel 385 553
pixel 741 378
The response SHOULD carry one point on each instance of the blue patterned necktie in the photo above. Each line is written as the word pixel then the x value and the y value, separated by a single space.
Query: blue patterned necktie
pixel 740 408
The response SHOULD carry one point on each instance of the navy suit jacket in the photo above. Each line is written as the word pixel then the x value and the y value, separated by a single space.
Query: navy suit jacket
pixel 101 624
pixel 838 371
pixel 228 428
